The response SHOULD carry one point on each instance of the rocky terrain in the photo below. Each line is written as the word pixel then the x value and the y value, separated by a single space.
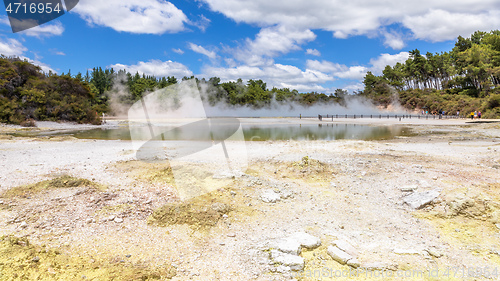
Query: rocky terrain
pixel 420 207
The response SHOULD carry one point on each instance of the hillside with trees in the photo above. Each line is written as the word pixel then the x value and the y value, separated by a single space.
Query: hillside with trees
pixel 465 79
pixel 27 94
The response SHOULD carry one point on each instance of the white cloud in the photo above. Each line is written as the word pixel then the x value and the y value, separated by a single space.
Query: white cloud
pixel 393 40
pixel 353 72
pixel 276 75
pixel 178 51
pixel 313 78
pixel 378 64
pixel 45 67
pixel 427 19
pixel 344 18
pixel 11 47
pixel 199 49
pixel 230 62
pixel 202 23
pixel 354 87
pixel 324 66
pixel 337 70
pixel 54 28
pixel 305 87
pixel 156 68
pixel 4 20
pixel 134 16
pixel 313 52
pixel 270 42
pixel 57 52
pixel 278 40
pixel 440 25
pixel 356 72
pixel 45 30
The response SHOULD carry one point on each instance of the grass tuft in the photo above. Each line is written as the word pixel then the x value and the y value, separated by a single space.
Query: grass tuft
pixel 64 181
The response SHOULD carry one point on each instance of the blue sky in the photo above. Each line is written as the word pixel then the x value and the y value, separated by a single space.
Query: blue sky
pixel 314 45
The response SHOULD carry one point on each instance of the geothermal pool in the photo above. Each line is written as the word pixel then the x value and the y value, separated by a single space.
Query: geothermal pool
pixel 258 132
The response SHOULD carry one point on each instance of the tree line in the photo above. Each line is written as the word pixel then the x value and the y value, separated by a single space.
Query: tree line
pixel 474 63
pixel 103 83
pixel 253 93
pixel 465 78
pixel 28 94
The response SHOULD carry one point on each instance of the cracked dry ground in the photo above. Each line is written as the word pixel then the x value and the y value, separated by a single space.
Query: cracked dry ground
pixel 119 219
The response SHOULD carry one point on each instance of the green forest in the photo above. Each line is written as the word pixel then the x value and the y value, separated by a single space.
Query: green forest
pixel 27 94
pixel 464 79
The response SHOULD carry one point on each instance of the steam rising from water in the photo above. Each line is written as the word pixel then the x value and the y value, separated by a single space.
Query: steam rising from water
pixel 277 109
pixel 354 105
pixel 212 151
pixel 206 159
pixel 190 105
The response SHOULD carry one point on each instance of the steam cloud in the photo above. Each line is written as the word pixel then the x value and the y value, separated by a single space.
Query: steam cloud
pixel 212 151
pixel 353 105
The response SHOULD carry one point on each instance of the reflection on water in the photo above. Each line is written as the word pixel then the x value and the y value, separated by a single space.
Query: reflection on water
pixel 259 132
pixel 323 132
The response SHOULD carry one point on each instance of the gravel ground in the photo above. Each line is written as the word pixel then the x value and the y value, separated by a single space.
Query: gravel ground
pixel 347 190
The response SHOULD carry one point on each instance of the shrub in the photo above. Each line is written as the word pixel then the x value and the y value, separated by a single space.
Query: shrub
pixel 26 94
pixel 28 123
pixel 493 101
